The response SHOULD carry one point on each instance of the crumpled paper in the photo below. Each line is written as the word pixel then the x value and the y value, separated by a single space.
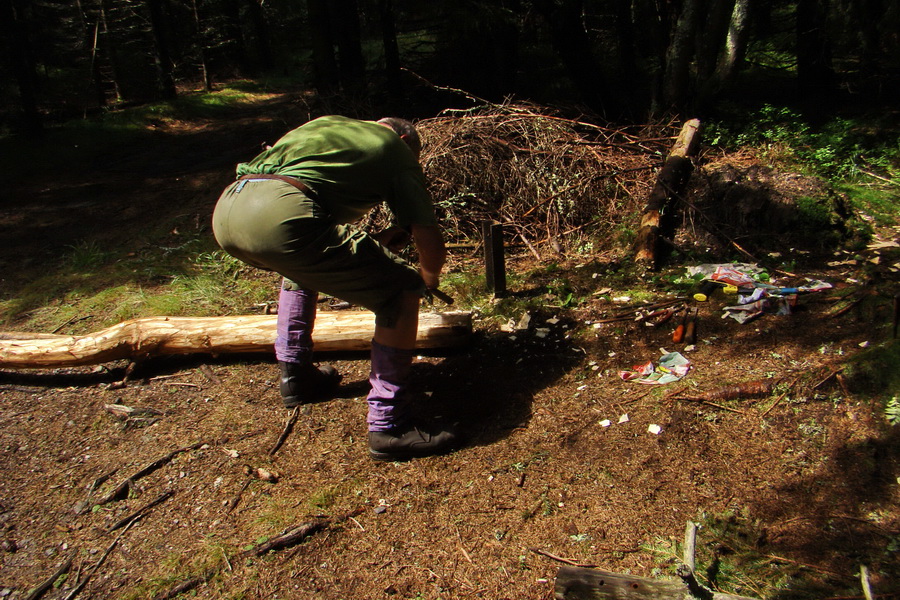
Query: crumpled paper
pixel 671 367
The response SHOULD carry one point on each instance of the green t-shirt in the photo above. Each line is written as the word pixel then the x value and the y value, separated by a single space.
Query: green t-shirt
pixel 352 166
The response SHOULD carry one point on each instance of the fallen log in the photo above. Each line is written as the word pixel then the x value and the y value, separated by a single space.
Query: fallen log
pixel 159 336
pixel 578 583
pixel 670 183
pixel 581 583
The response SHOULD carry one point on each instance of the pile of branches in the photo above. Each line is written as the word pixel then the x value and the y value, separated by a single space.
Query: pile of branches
pixel 543 176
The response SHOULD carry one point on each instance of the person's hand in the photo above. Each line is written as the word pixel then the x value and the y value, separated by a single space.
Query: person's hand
pixel 394 238
pixel 432 280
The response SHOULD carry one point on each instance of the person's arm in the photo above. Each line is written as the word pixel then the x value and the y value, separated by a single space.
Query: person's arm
pixel 432 253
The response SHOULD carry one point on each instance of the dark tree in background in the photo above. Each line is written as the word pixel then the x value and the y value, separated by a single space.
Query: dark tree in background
pixel 814 67
pixel 158 23
pixel 622 59
pixel 20 60
pixel 392 62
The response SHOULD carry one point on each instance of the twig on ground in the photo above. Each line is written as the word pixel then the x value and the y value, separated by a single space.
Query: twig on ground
pixel 638 397
pixel 845 309
pixel 42 587
pixel 805 565
pixel 141 511
pixel 291 536
pixel 674 394
pixel 232 504
pixel 747 389
pixel 567 561
pixel 121 490
pixel 781 397
pixel 129 371
pixel 690 544
pixel 73 320
pixel 288 427
pixel 99 563
pixel 879 177
pixel 714 405
pixel 829 376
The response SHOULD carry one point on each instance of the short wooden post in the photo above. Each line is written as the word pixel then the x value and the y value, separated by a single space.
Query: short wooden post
pixel 494 259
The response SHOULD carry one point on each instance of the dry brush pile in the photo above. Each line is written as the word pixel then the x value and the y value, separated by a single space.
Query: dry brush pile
pixel 545 177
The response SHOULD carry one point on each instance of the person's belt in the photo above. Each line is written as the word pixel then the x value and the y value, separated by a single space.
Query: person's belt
pixel 285 178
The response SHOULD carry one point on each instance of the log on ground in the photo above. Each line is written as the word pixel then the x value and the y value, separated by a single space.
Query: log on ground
pixel 160 336
pixel 579 583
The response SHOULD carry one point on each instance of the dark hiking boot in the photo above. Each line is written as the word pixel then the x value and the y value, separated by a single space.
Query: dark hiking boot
pixel 410 442
pixel 304 383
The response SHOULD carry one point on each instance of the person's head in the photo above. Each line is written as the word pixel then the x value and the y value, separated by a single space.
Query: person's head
pixel 407 132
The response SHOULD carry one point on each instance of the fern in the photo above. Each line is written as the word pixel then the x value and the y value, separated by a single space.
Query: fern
pixel 892 411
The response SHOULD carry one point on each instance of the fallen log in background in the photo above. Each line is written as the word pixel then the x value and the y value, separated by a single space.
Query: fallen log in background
pixel 578 583
pixel 160 336
pixel 670 183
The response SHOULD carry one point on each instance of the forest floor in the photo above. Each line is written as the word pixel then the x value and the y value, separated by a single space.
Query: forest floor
pixel 794 488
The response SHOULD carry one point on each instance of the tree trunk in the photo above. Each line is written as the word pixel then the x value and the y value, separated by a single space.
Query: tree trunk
pixel 163 58
pixel 735 43
pixel 814 71
pixel 391 48
pixel 628 64
pixel 676 77
pixel 711 35
pixel 109 50
pixel 868 14
pixel 159 336
pixel 21 60
pixel 261 30
pixel 345 25
pixel 325 74
pixel 669 185
pixel 200 37
pixel 572 44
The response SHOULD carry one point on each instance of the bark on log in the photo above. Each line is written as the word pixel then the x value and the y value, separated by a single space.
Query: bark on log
pixel 669 184
pixel 577 583
pixel 159 336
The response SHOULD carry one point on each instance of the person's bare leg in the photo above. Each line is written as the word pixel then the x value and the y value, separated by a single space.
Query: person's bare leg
pixel 403 334
pixel 392 435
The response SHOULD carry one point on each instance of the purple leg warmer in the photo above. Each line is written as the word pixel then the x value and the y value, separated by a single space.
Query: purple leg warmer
pixel 389 398
pixel 296 317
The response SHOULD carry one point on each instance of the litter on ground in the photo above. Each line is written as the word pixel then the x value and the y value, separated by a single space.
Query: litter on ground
pixel 671 367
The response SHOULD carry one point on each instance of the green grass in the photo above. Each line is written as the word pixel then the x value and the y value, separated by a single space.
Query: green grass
pixel 880 203
pixel 90 289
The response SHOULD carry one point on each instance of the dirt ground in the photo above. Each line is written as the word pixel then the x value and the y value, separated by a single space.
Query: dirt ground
pixel 795 489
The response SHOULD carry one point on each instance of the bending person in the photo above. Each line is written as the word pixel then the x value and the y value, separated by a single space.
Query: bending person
pixel 289 211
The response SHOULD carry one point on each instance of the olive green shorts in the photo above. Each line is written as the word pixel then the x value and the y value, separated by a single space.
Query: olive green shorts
pixel 272 225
